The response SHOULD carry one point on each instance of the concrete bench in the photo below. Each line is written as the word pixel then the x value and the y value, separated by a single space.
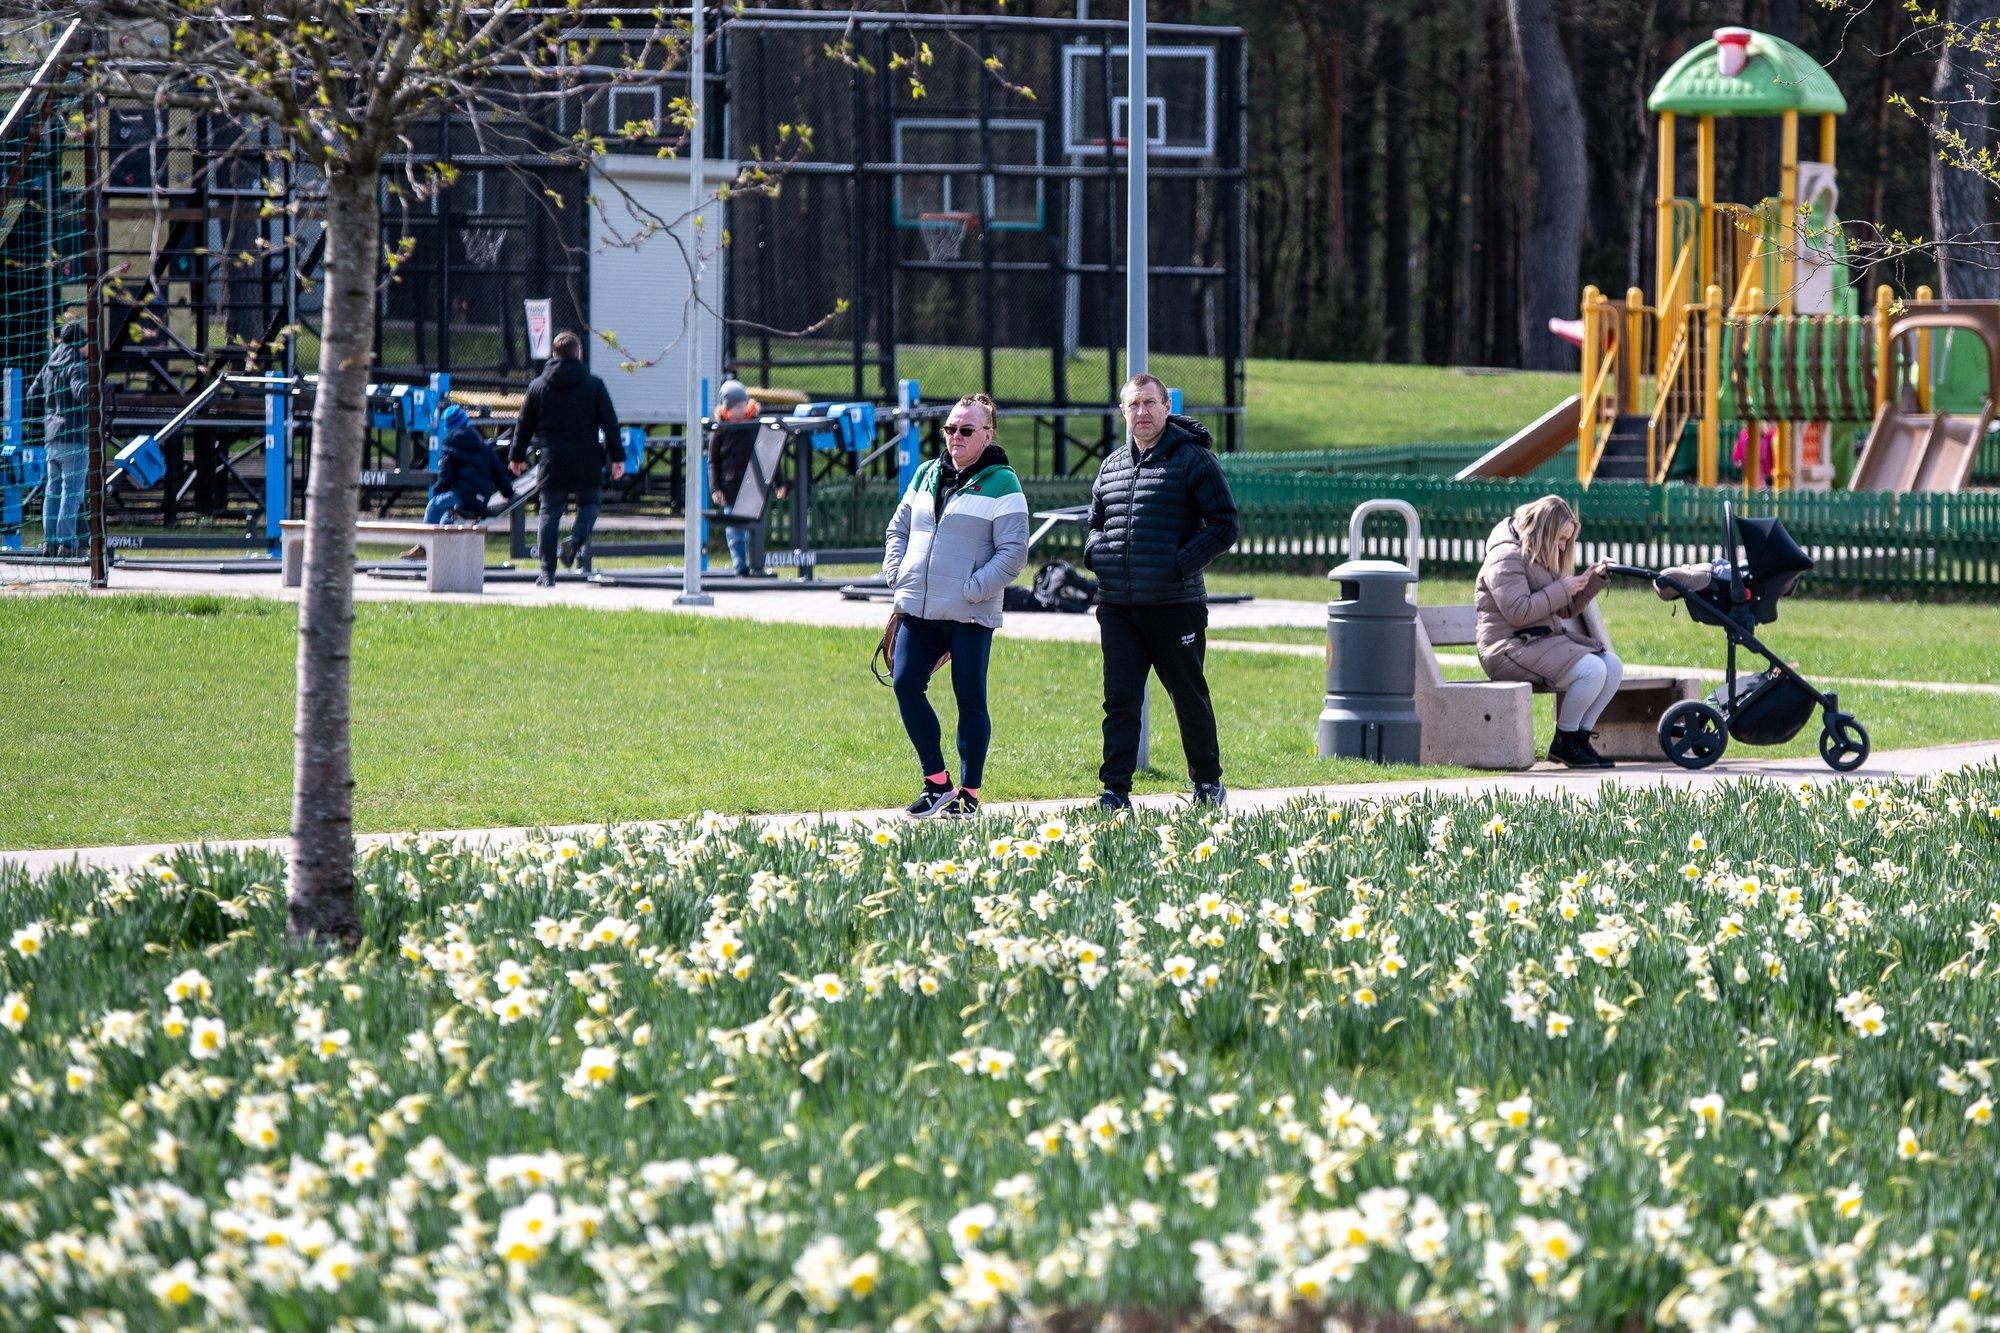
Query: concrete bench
pixel 1491 723
pixel 454 558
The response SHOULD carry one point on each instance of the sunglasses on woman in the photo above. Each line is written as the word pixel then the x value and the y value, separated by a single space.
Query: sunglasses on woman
pixel 963 432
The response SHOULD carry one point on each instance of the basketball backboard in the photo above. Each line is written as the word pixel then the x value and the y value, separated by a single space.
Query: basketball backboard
pixel 1180 106
pixel 1006 203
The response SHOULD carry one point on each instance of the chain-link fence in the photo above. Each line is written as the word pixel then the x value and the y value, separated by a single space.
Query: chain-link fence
pixel 46 496
pixel 959 218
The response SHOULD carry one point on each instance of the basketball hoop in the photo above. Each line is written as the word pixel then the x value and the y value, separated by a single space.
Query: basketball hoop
pixel 944 233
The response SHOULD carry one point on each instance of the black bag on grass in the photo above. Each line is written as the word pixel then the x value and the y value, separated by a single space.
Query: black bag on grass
pixel 1061 586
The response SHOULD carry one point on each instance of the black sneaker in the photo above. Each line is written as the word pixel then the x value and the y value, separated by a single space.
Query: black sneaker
pixel 1589 751
pixel 566 552
pixel 962 805
pixel 937 795
pixel 1113 799
pixel 545 579
pixel 1210 793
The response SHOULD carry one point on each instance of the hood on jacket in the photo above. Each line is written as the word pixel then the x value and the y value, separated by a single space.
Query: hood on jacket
pixel 563 372
pixel 1181 430
pixel 949 477
pixel 465 443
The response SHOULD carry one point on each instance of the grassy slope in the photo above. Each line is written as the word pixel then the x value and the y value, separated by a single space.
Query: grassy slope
pixel 1328 405
pixel 1292 404
pixel 141 719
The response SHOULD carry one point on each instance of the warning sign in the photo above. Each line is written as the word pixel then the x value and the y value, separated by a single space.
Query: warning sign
pixel 539 334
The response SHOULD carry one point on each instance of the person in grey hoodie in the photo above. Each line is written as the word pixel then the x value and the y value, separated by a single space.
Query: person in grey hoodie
pixel 959 537
pixel 61 391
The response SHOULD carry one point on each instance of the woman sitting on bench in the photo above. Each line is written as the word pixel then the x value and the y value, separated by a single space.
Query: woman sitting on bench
pixel 1540 623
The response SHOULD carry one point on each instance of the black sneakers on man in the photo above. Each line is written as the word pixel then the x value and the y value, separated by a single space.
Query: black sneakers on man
pixel 1210 793
pixel 566 552
pixel 937 795
pixel 1113 799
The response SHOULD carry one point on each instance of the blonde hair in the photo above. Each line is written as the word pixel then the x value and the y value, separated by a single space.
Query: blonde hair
pixel 1539 524
pixel 981 400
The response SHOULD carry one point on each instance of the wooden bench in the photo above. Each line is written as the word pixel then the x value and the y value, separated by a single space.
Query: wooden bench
pixel 454 558
pixel 1491 723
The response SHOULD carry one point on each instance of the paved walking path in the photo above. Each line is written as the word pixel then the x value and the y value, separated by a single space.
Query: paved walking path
pixel 827 607
pixel 1542 782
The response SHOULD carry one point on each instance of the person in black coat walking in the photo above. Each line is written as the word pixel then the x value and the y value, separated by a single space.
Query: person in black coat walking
pixel 570 410
pixel 1160 511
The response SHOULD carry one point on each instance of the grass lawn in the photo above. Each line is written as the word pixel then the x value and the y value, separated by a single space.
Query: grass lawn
pixel 139 719
pixel 1867 640
pixel 1332 405
pixel 1292 404
pixel 1932 641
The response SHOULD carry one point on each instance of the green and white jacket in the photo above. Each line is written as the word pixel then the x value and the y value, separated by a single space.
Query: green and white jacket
pixel 954 565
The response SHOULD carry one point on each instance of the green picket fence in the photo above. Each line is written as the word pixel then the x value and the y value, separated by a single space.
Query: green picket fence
pixel 1440 459
pixel 1864 542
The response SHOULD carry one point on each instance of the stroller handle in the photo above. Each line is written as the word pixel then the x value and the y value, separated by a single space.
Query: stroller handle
pixel 1634 571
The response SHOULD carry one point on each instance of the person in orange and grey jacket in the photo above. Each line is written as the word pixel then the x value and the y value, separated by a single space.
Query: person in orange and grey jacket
pixel 1539 622
pixel 1160 511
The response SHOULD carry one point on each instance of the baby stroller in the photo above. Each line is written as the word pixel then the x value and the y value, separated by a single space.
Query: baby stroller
pixel 1768 707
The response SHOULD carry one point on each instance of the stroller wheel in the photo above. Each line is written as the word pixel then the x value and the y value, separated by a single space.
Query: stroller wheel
pixel 1843 743
pixel 1693 734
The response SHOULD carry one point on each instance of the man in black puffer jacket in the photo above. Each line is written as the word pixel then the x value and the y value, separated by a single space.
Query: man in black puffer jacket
pixel 1159 513
pixel 570 409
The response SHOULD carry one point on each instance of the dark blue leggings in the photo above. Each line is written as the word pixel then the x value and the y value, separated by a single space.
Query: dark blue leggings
pixel 919 644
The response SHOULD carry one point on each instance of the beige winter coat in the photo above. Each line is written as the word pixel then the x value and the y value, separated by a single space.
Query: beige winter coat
pixel 1514 593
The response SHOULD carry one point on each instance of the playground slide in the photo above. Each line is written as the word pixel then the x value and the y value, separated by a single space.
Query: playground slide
pixel 1920 451
pixel 1529 447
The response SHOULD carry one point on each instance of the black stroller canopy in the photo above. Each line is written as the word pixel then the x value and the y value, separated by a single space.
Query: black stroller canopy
pixel 1769 553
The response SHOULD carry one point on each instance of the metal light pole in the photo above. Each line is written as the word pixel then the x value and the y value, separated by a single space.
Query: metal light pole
pixel 1138 256
pixel 696 438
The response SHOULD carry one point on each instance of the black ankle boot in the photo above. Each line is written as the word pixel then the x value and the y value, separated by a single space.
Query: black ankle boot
pixel 1589 751
pixel 1569 749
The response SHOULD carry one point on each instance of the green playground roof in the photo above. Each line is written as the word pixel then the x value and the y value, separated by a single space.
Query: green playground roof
pixel 1778 77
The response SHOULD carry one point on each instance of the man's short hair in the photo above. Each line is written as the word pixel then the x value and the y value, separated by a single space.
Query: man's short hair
pixel 1143 380
pixel 568 344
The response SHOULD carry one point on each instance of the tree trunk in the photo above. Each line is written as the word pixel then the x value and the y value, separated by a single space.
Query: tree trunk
pixel 1459 321
pixel 1555 239
pixel 1360 185
pixel 1398 245
pixel 321 896
pixel 1879 126
pixel 1961 215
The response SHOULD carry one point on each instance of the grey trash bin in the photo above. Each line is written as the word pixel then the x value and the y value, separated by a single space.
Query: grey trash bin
pixel 1371 651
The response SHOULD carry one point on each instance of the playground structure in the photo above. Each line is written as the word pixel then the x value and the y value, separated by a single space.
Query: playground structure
pixel 1754 322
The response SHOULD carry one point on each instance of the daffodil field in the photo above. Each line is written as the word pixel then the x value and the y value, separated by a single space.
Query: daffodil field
pixel 1718 1060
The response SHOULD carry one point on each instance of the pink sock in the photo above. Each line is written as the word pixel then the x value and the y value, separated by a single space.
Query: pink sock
pixel 941 778
pixel 973 792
